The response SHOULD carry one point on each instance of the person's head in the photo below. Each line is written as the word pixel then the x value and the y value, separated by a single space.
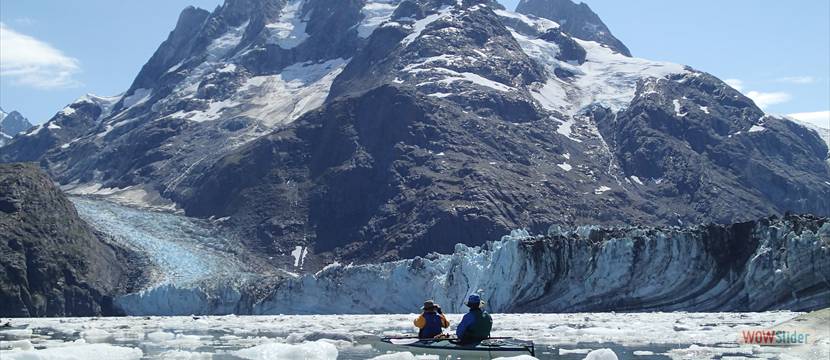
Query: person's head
pixel 474 301
pixel 429 306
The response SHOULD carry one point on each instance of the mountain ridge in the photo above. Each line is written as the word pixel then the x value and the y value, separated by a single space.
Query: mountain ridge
pixel 427 123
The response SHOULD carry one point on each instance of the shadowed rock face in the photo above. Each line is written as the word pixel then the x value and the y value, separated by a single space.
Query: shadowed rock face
pixel 577 20
pixel 53 263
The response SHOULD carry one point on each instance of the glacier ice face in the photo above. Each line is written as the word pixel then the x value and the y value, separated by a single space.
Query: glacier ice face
pixel 776 263
pixel 591 269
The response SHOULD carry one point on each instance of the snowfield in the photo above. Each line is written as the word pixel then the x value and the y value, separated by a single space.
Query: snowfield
pixel 557 336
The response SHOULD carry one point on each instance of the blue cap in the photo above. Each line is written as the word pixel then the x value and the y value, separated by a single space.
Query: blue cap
pixel 473 299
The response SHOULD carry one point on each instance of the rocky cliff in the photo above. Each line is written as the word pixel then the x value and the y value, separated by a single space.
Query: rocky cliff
pixel 53 263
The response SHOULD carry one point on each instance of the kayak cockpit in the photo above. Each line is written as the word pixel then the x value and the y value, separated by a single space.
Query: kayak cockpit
pixel 487 348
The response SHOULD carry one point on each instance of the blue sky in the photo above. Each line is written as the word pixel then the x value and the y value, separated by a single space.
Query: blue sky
pixel 52 52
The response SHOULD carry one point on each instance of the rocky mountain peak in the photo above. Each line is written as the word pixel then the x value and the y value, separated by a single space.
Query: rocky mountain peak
pixel 13 123
pixel 575 19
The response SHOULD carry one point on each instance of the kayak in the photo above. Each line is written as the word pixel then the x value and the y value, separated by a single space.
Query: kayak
pixel 488 348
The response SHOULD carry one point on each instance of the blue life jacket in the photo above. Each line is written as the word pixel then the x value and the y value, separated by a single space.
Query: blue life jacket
pixel 433 326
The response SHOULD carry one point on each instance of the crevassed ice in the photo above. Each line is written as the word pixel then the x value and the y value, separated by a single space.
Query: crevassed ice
pixel 181 248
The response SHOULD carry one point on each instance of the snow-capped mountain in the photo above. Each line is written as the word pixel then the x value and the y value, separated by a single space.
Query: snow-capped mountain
pixel 578 20
pixel 11 124
pixel 380 129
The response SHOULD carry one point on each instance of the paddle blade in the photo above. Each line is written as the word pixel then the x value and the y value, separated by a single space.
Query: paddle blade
pixel 403 341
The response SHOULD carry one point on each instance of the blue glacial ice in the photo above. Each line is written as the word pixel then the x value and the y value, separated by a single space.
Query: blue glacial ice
pixel 780 263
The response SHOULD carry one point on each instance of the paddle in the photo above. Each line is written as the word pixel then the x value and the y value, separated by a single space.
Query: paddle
pixel 404 341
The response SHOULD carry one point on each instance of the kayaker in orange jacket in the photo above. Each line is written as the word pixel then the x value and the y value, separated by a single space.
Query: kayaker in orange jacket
pixel 431 321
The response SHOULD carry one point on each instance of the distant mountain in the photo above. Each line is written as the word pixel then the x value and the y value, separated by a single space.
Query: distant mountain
pixel 11 124
pixel 379 129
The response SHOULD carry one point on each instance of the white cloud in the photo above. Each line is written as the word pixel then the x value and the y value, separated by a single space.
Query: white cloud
pixel 761 98
pixel 800 80
pixel 765 99
pixel 735 84
pixel 819 119
pixel 30 62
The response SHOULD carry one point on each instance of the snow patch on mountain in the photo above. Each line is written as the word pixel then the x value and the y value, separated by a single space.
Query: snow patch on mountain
pixel 375 13
pixel 431 72
pixel 450 76
pixel 610 79
pixel 606 77
pixel 419 26
pixel 820 125
pixel 299 88
pixel 540 24
pixel 756 128
pixel 35 130
pixel 106 103
pixel 601 189
pixel 214 111
pixel 272 99
pixel 223 45
pixel 67 111
pixel 289 30
pixel 138 97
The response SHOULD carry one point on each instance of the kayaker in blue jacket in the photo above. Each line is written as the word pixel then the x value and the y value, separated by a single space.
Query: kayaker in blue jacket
pixel 476 324
pixel 431 321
